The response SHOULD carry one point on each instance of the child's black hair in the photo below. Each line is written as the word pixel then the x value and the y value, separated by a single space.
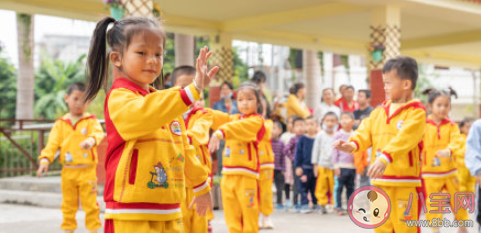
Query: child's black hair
pixel 464 122
pixel 296 119
pixel 310 118
pixel 328 114
pixel 433 94
pixel 252 86
pixel 296 87
pixel 405 67
pixel 350 114
pixel 118 38
pixel 231 87
pixel 280 125
pixel 75 86
pixel 259 77
pixel 181 70
pixel 366 92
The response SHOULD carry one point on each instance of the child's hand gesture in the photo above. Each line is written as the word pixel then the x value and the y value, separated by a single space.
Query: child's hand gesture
pixel 337 172
pixel 214 143
pixel 299 171
pixel 203 76
pixel 87 144
pixel 43 168
pixel 203 204
pixel 443 153
pixel 377 169
pixel 343 146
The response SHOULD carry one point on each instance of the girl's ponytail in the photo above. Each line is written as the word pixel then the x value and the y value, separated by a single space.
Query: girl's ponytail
pixel 452 92
pixel 98 62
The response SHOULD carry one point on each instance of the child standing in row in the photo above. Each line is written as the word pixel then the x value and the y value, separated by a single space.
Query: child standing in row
pixel 439 167
pixel 467 182
pixel 149 159
pixel 289 175
pixel 395 132
pixel 239 184
pixel 344 168
pixel 321 158
pixel 290 152
pixel 303 164
pixel 77 135
pixel 198 122
pixel 280 163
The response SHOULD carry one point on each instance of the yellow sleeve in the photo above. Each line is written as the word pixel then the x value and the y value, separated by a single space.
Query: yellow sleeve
pixel 362 136
pixel 456 142
pixel 219 118
pixel 199 133
pixel 53 143
pixel 96 131
pixel 294 104
pixel 134 115
pixel 195 173
pixel 245 130
pixel 411 133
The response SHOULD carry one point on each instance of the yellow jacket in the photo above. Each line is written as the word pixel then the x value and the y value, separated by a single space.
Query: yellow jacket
pixel 242 135
pixel 444 136
pixel 460 150
pixel 266 155
pixel 148 158
pixel 198 124
pixel 293 106
pixel 396 140
pixel 67 138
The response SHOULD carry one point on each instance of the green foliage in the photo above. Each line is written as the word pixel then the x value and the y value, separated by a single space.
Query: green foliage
pixel 51 83
pixel 26 20
pixel 8 89
pixel 169 54
pixel 240 69
pixel 423 83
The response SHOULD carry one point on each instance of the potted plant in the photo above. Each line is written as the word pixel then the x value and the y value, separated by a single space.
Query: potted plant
pixel 116 8
pixel 376 51
pixel 156 11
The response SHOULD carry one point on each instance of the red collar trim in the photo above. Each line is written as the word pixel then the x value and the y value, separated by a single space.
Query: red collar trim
pixel 69 122
pixel 129 85
pixel 411 104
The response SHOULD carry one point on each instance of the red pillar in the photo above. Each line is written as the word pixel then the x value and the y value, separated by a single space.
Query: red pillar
pixel 377 87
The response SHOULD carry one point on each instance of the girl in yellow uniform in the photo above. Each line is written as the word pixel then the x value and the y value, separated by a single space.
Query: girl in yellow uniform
pixel 266 177
pixel 467 182
pixel 149 160
pixel 439 167
pixel 241 164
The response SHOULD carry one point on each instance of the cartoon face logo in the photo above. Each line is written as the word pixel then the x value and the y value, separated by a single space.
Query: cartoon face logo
pixel 369 207
pixel 175 128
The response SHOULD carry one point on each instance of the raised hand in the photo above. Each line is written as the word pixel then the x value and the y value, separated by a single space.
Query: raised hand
pixel 343 146
pixel 203 76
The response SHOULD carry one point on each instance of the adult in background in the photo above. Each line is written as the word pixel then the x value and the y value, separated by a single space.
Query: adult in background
pixel 347 103
pixel 364 103
pixel 326 105
pixel 260 79
pixel 295 104
pixel 226 103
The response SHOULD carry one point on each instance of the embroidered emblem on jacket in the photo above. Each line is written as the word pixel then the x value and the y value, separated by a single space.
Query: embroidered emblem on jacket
pixel 158 178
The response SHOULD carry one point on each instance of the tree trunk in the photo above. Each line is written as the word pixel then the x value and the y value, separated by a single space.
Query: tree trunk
pixel 25 80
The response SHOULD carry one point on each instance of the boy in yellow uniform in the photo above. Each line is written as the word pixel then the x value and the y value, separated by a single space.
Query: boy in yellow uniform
pixel 266 176
pixel 77 135
pixel 198 122
pixel 395 131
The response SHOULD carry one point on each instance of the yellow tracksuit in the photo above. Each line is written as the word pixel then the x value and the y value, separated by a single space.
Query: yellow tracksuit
pixel 149 161
pixel 266 176
pixel 467 182
pixel 396 139
pixel 241 166
pixel 440 173
pixel 198 124
pixel 79 177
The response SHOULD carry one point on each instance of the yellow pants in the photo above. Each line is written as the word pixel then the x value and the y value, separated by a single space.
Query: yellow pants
pixel 467 182
pixel 126 226
pixel 445 185
pixel 325 185
pixel 241 203
pixel 266 177
pixel 80 183
pixel 399 197
pixel 191 220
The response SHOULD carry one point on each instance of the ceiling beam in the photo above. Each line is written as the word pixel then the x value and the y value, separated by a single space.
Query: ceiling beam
pixel 290 16
pixel 441 40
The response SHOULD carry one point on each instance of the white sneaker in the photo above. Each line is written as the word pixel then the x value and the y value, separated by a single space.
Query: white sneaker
pixel 268 224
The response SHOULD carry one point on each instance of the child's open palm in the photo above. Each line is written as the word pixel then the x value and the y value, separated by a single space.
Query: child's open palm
pixel 203 76
pixel 203 203
pixel 343 146
pixel 87 144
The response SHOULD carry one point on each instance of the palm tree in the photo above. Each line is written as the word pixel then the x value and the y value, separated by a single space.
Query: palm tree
pixel 25 80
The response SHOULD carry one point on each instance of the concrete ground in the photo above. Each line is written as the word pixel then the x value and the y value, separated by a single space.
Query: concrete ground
pixel 24 218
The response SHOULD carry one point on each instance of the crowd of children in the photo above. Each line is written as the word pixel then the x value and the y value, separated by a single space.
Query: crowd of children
pixel 159 165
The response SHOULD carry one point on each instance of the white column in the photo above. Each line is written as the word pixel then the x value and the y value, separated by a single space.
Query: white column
pixel 312 74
